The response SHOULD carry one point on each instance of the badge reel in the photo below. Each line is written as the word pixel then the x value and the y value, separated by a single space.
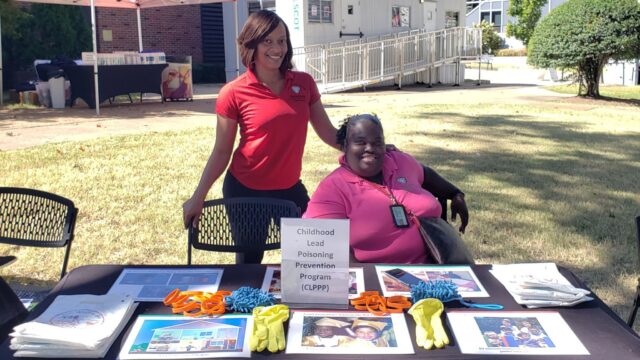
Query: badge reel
pixel 399 216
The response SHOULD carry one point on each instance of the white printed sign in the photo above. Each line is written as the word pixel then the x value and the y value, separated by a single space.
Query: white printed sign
pixel 315 261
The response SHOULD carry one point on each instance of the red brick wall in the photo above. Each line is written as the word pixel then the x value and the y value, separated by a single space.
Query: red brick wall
pixel 176 30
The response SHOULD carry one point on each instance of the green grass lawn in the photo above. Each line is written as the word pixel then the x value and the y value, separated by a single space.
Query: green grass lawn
pixel 547 181
pixel 617 92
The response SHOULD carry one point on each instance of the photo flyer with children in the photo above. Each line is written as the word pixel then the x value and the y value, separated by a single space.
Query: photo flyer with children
pixel 347 332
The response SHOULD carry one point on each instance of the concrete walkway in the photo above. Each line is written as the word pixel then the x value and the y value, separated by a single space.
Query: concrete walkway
pixel 25 128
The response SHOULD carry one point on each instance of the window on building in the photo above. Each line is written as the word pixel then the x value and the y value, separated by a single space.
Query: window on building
pixel 400 16
pixel 472 4
pixel 485 16
pixel 451 19
pixel 257 5
pixel 496 19
pixel 320 11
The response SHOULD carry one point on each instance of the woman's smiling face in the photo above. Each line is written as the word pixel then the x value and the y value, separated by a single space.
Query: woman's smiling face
pixel 272 49
pixel 365 147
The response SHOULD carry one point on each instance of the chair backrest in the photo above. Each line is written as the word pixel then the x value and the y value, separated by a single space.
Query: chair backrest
pixel 30 217
pixel 240 225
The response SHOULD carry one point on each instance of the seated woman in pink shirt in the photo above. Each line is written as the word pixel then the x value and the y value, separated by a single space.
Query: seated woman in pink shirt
pixel 380 191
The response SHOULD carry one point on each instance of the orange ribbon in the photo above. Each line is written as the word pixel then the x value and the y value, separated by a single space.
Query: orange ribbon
pixel 196 303
pixel 378 305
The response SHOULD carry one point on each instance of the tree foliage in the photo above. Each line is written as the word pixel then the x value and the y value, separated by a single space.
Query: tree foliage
pixel 41 31
pixel 526 14
pixel 491 42
pixel 10 16
pixel 584 35
pixel 49 31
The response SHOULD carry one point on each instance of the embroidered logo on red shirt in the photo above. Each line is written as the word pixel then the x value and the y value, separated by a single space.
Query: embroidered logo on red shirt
pixel 297 94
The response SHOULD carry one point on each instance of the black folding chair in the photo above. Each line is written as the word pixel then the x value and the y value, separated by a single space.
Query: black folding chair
pixel 30 217
pixel 636 301
pixel 240 225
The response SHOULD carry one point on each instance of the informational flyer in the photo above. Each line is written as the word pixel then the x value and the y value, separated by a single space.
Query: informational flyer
pixel 272 282
pixel 180 337
pixel 506 332
pixel 155 284
pixel 315 262
pixel 538 285
pixel 397 280
pixel 348 332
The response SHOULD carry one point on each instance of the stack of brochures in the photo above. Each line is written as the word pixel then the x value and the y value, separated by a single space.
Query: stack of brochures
pixel 539 285
pixel 74 326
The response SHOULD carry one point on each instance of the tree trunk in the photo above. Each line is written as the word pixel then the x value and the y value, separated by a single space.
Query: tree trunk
pixel 591 70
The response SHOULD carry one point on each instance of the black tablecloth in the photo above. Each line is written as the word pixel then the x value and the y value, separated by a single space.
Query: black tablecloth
pixel 601 331
pixel 114 80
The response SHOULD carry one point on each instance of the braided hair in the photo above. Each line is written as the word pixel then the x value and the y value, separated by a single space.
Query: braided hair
pixel 350 121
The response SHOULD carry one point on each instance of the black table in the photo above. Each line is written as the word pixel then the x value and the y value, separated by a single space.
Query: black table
pixel 601 331
pixel 114 80
pixel 6 260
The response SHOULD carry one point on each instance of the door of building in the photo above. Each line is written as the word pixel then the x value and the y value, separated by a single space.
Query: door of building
pixel 351 19
pixel 429 15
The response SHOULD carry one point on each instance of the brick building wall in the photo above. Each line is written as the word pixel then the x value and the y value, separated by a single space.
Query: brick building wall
pixel 176 30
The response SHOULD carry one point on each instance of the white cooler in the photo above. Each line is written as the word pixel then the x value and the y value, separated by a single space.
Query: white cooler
pixel 56 89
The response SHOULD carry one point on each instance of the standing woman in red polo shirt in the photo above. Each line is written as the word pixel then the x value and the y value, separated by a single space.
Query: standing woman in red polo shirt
pixel 272 105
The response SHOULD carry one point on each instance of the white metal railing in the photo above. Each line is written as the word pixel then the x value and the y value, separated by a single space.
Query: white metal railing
pixel 355 63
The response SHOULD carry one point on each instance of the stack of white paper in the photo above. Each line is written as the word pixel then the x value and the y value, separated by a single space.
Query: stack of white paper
pixel 539 285
pixel 74 326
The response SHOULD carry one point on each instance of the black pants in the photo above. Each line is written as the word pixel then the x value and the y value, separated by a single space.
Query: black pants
pixel 233 188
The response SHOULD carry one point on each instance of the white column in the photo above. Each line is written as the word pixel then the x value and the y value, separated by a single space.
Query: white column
pixel 139 28
pixel 95 57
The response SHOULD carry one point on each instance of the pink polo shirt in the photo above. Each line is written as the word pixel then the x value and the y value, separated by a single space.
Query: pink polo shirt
pixel 373 236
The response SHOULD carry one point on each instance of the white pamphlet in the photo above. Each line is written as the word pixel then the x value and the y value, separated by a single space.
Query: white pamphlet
pixel 145 284
pixel 74 326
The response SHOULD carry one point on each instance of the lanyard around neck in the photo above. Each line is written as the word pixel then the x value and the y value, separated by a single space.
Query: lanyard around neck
pixel 387 192
pixel 384 190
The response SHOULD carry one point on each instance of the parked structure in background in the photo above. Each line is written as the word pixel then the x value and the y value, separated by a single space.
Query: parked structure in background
pixel 352 43
pixel 495 12
pixel 198 30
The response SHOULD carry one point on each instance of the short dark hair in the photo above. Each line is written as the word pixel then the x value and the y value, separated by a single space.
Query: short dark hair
pixel 341 135
pixel 258 26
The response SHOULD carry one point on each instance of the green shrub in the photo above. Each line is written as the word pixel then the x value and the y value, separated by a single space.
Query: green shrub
pixel 491 42
pixel 512 52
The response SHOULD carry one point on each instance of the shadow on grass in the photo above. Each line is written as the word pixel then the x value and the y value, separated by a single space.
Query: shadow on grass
pixel 590 173
pixel 41 116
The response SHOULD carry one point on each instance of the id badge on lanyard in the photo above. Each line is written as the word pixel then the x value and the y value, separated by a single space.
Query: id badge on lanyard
pixel 398 212
pixel 399 216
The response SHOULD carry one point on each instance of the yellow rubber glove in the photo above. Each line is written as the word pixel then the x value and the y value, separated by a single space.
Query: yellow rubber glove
pixel 259 336
pixel 275 316
pixel 429 331
pixel 268 328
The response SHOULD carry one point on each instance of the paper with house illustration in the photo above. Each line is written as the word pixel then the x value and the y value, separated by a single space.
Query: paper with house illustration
pixel 180 337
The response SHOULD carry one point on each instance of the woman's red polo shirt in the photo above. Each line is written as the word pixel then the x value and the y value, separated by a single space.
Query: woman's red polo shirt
pixel 273 128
